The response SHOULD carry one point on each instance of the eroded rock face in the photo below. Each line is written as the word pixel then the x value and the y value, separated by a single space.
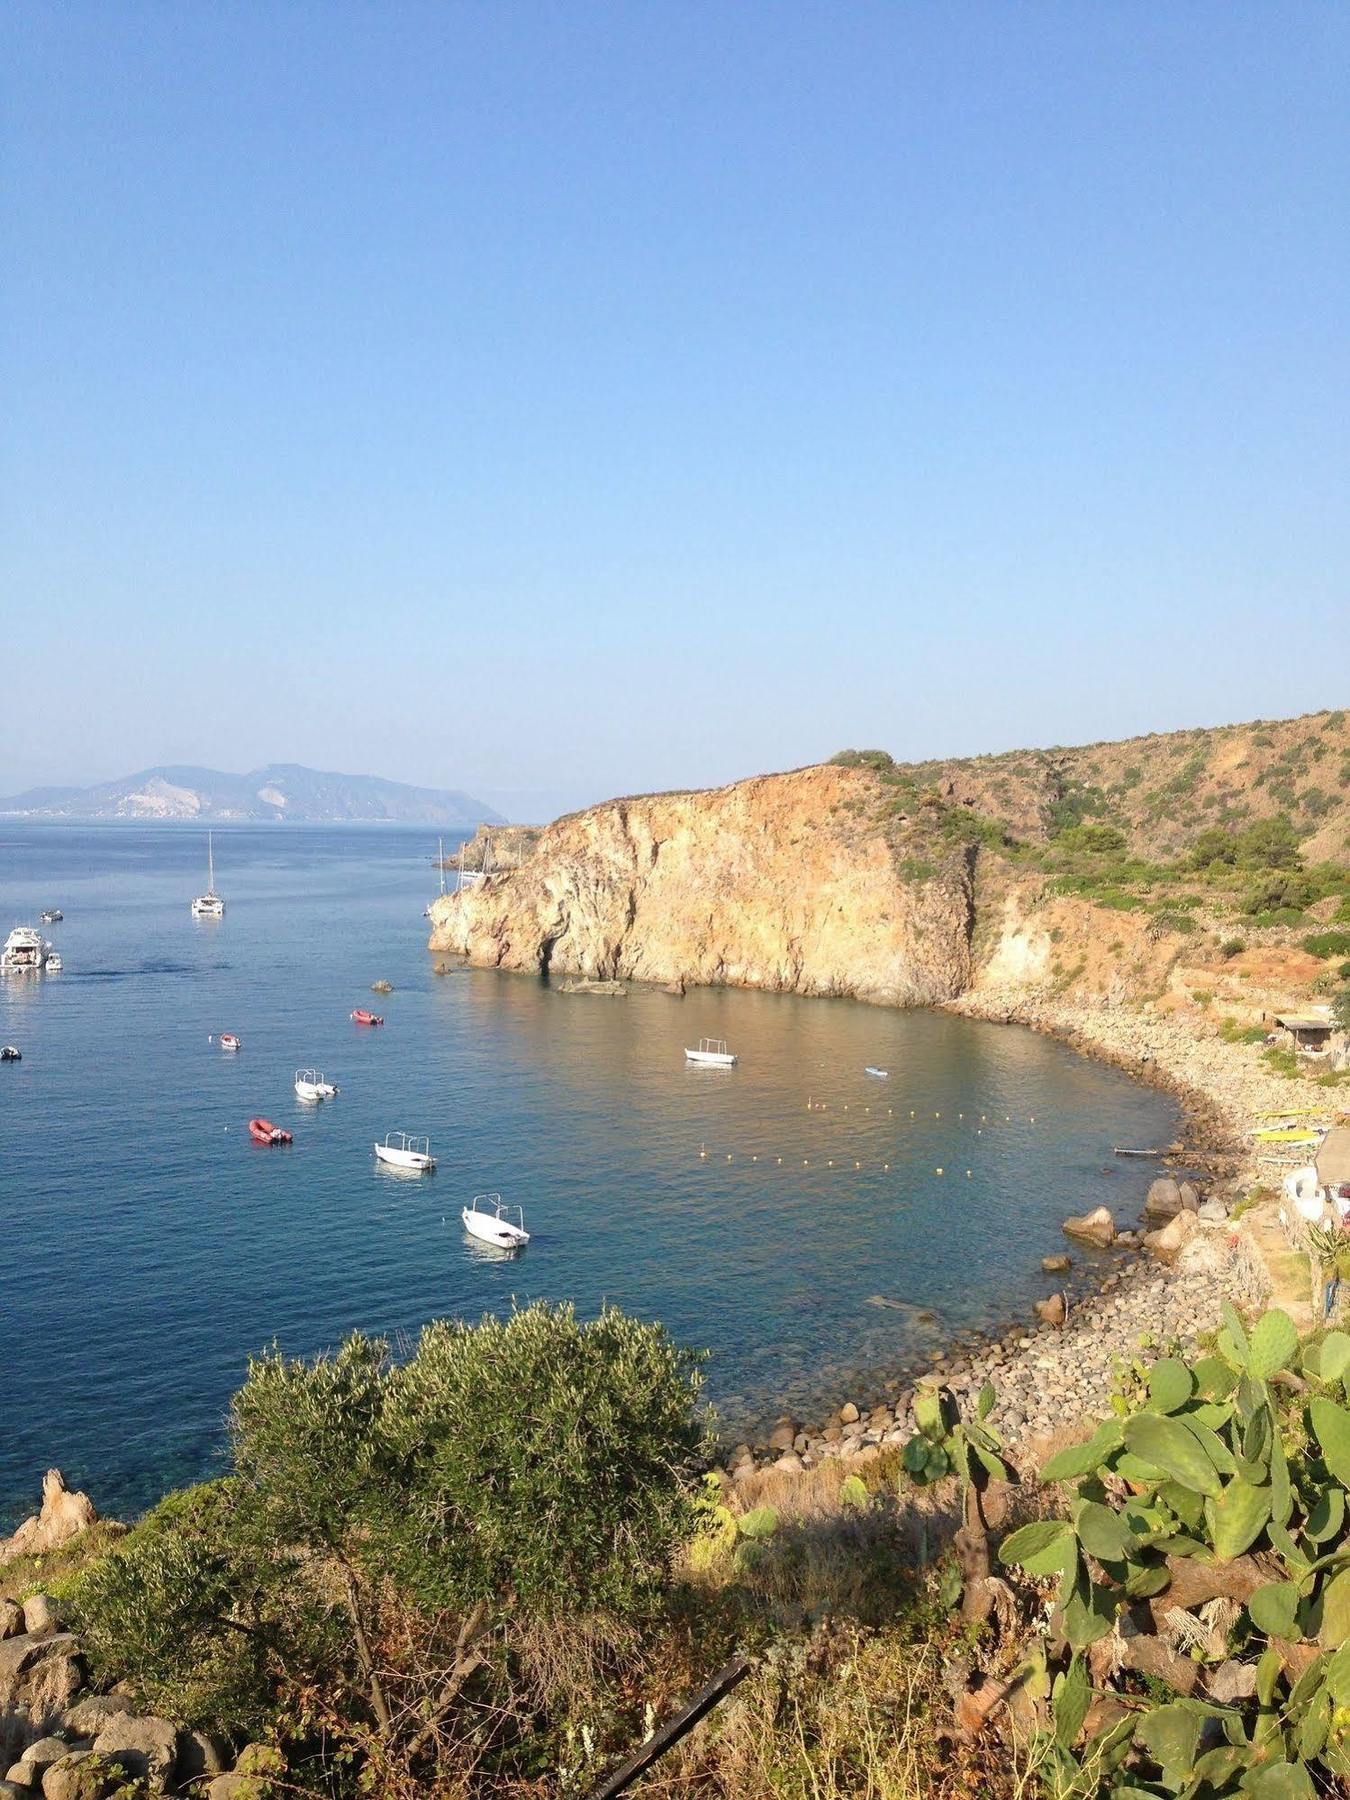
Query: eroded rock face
pixel 63 1516
pixel 773 883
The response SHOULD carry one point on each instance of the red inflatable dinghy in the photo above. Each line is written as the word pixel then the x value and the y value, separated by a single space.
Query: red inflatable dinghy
pixel 263 1131
pixel 361 1017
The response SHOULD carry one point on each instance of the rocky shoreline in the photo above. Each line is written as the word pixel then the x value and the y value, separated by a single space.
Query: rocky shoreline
pixel 1059 1372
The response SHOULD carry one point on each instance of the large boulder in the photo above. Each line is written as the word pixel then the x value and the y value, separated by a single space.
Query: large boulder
pixel 146 1748
pixel 784 1434
pixel 44 1751
pixel 1190 1196
pixel 40 1615
pixel 201 1754
pixel 82 1776
pixel 63 1515
pixel 1051 1311
pixel 1096 1227
pixel 39 1677
pixel 1164 1199
pixel 255 1775
pixel 90 1714
pixel 1169 1240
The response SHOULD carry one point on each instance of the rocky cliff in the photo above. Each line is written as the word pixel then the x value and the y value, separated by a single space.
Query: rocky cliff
pixel 910 884
pixel 786 882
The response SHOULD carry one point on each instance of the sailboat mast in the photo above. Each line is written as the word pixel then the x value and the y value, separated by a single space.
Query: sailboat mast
pixel 440 862
pixel 210 865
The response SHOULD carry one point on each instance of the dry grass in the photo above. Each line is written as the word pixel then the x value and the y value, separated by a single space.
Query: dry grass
pixel 851 1715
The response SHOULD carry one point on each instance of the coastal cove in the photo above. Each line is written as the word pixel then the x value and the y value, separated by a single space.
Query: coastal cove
pixel 149 1247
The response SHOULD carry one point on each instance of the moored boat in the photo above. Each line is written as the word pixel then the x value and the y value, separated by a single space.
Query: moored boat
pixel 361 1017
pixel 263 1131
pixel 53 963
pixel 52 915
pixel 311 1085
pixel 209 905
pixel 228 1041
pixel 10 1053
pixel 711 1053
pixel 490 1220
pixel 401 1151
pixel 881 1074
pixel 26 952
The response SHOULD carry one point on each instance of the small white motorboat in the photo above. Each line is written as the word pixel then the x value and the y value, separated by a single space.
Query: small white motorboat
pixel 881 1074
pixel 311 1085
pixel 53 963
pixel 490 1219
pixel 52 915
pixel 712 1053
pixel 228 1041
pixel 401 1151
pixel 10 1053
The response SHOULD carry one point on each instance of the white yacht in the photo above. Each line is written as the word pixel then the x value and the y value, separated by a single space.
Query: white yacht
pixel 26 952
pixel 209 905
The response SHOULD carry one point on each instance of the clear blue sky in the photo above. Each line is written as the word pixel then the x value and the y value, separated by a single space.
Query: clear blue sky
pixel 562 400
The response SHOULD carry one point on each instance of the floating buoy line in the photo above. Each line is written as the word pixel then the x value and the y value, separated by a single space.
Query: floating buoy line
pixel 856 1164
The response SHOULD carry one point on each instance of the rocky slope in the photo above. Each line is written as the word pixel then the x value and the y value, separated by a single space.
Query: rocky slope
pixel 900 883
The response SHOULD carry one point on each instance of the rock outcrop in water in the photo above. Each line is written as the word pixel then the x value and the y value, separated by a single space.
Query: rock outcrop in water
pixel 785 882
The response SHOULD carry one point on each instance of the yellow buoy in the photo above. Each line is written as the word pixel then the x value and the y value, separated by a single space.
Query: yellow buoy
pixel 857 1165
pixel 887 1167
pixel 728 1156
pixel 967 1174
pixel 939 1171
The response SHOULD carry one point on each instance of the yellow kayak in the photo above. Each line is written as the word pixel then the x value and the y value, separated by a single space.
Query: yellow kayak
pixel 1288 1137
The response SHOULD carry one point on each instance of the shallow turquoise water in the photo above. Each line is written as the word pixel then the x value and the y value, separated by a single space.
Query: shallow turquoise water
pixel 147 1246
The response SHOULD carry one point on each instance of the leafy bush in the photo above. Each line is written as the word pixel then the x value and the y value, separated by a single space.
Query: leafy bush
pixel 1171 919
pixel 1276 892
pixel 1327 944
pixel 1231 947
pixel 1233 1033
pixel 1093 840
pixel 871 759
pixel 384 1519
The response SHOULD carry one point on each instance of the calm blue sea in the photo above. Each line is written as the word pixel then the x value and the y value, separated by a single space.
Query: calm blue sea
pixel 147 1246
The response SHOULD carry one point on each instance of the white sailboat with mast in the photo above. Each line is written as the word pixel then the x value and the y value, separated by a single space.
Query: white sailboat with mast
pixel 209 905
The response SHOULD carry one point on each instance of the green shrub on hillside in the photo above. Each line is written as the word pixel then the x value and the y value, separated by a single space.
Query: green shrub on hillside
pixel 384 1520
pixel 1327 944
pixel 871 759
